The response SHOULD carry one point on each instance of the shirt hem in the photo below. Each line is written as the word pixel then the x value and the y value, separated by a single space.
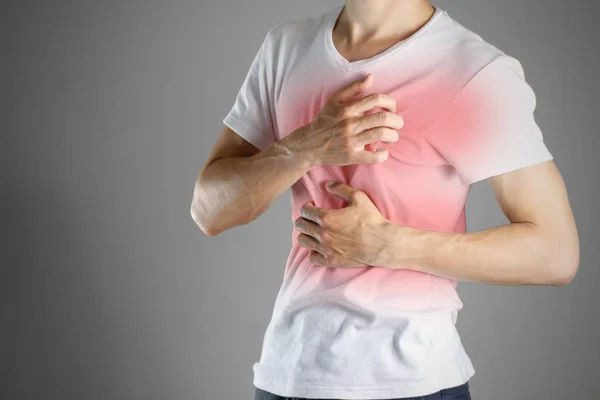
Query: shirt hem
pixel 378 392
pixel 542 156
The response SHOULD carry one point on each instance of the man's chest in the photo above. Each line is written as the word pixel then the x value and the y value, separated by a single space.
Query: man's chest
pixel 414 181
pixel 419 96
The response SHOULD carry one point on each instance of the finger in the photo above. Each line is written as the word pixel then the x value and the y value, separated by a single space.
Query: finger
pixel 317 258
pixel 341 189
pixel 308 227
pixel 383 118
pixel 371 157
pixel 312 213
pixel 309 242
pixel 380 133
pixel 350 92
pixel 369 102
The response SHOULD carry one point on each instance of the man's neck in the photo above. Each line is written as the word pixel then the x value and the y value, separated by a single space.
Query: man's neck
pixel 372 21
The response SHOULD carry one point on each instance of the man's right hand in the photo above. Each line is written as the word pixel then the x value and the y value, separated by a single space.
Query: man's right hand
pixel 339 133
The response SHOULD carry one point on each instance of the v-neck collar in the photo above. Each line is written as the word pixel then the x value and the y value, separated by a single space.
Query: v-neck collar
pixel 346 65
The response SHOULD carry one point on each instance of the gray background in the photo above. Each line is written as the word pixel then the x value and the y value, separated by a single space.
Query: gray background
pixel 109 289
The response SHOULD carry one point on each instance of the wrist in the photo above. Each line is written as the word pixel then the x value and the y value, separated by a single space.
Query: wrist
pixel 292 144
pixel 400 249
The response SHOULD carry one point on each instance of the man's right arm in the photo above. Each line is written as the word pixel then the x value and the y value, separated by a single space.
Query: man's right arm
pixel 239 182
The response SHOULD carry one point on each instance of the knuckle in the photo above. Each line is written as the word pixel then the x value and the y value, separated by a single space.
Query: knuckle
pixel 328 222
pixel 318 236
pixel 380 98
pixel 345 112
pixel 346 126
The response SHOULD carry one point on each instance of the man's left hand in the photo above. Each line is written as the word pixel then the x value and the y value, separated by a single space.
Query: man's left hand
pixel 348 237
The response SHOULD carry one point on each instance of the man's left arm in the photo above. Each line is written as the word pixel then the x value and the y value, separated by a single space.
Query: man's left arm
pixel 540 245
pixel 487 131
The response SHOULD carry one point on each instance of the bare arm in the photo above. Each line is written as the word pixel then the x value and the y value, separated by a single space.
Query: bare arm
pixel 539 246
pixel 239 182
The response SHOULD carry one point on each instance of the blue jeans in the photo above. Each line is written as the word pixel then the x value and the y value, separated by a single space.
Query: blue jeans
pixel 460 392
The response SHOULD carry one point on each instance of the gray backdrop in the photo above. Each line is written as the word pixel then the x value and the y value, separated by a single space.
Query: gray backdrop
pixel 109 289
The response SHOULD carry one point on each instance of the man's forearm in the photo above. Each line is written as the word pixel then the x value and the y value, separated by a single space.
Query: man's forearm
pixel 235 190
pixel 513 254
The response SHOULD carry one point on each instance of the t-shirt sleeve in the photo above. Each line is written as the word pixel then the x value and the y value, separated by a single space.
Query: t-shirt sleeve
pixel 489 128
pixel 250 116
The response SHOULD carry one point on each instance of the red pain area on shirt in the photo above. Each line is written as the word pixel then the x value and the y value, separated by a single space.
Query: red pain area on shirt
pixel 437 116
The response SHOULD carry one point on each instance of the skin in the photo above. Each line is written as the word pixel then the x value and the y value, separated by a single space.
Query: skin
pixel 539 245
pixel 246 181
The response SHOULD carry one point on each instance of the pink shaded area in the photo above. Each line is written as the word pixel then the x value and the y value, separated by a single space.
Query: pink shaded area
pixel 414 187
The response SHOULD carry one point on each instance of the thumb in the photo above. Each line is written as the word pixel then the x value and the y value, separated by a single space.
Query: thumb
pixel 340 189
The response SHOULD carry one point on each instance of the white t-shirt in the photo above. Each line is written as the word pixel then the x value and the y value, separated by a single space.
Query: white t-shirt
pixel 375 332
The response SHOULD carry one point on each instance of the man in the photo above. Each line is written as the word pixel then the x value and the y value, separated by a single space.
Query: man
pixel 403 109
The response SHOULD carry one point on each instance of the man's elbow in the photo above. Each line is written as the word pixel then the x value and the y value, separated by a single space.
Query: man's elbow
pixel 205 227
pixel 565 271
